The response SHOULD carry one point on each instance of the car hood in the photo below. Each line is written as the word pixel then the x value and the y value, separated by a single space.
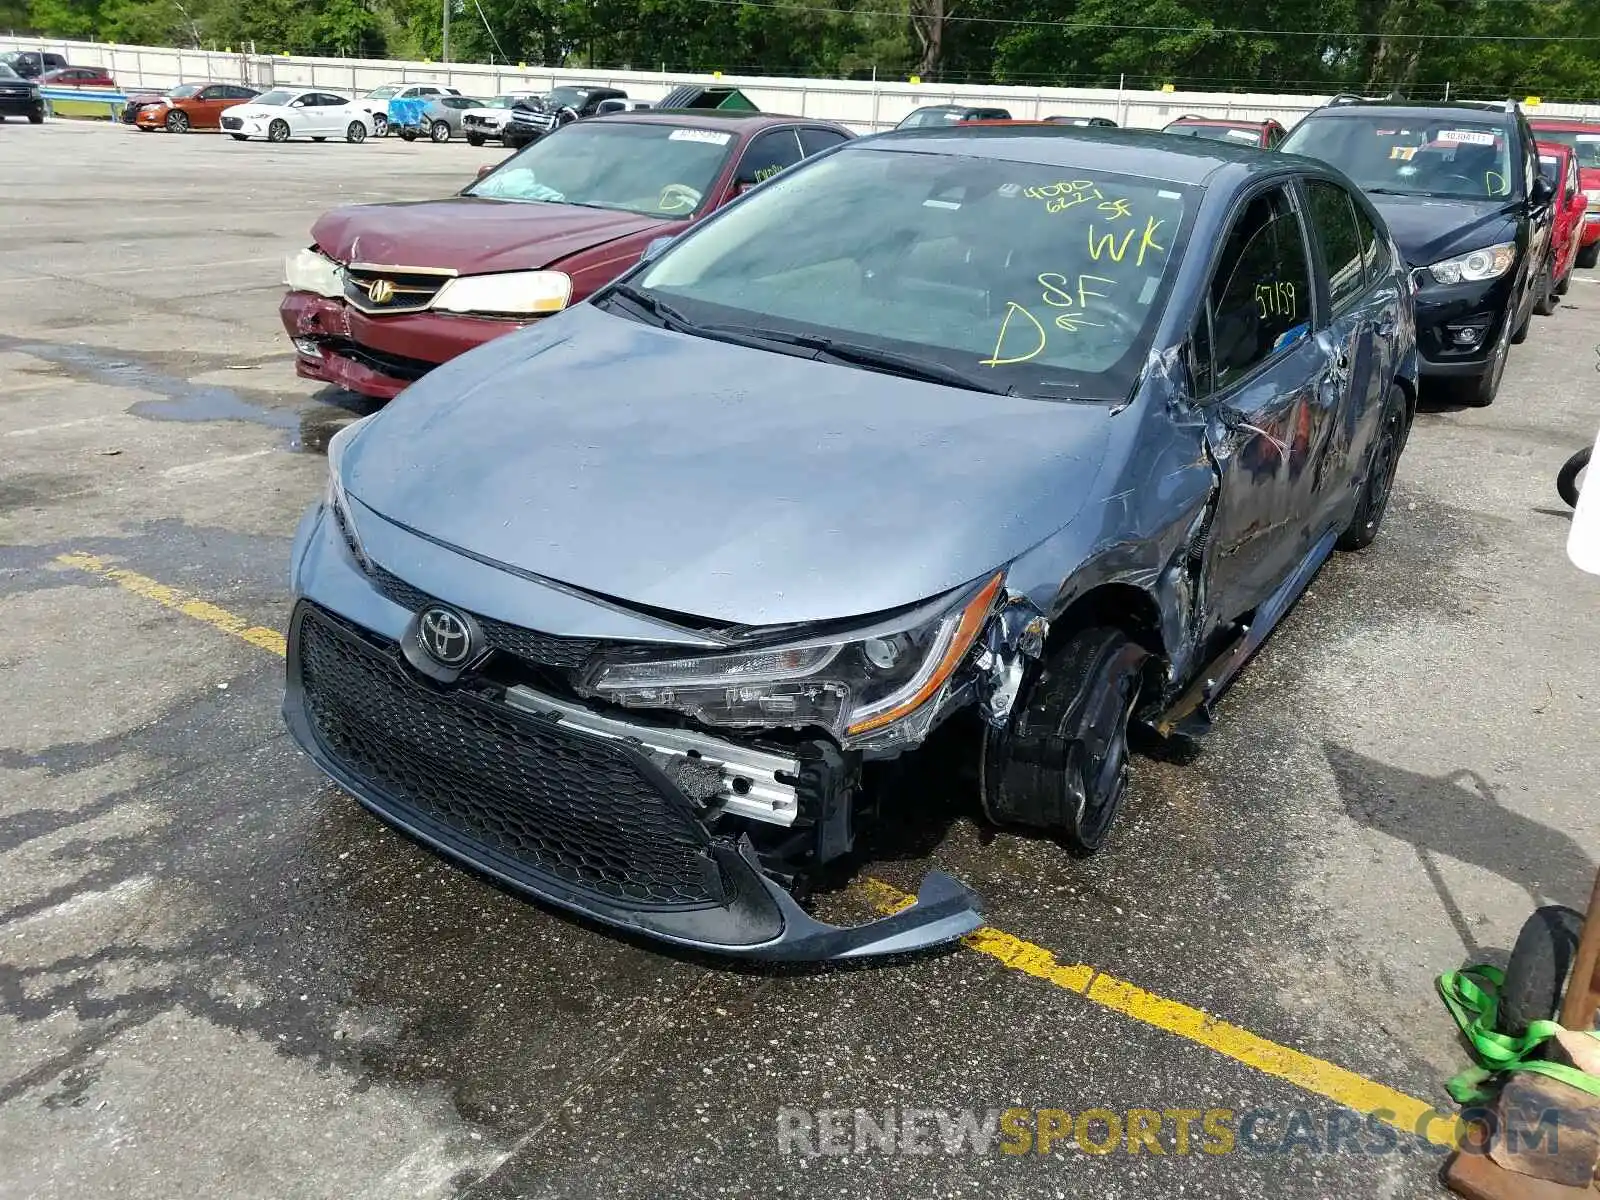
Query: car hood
pixel 1427 228
pixel 717 481
pixel 471 236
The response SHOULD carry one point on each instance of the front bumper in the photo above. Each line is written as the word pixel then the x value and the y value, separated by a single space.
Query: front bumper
pixel 152 115
pixel 20 104
pixel 1444 311
pixel 1591 228
pixel 548 805
pixel 377 356
pixel 246 126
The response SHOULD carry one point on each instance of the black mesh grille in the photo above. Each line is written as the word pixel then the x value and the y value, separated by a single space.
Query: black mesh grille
pixel 232 123
pixel 544 649
pixel 517 793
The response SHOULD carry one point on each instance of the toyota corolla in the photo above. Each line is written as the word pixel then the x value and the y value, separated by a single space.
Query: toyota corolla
pixel 1043 429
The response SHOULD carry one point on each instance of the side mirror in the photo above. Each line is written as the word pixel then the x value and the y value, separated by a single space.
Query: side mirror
pixel 485 169
pixel 655 247
pixel 1542 192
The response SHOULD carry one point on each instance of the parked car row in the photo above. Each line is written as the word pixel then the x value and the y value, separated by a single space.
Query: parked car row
pixel 803 450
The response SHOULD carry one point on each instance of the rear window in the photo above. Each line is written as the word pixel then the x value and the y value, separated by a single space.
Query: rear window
pixel 1586 146
pixel 1448 155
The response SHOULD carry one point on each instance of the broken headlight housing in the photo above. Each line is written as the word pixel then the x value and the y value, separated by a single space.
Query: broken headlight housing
pixel 312 271
pixel 856 686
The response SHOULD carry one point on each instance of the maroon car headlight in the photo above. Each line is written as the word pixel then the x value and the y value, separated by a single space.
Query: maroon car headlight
pixel 309 271
pixel 512 294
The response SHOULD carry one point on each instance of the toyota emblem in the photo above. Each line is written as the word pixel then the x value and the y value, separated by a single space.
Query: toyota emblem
pixel 445 636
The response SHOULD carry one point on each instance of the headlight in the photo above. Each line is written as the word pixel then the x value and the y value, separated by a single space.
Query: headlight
pixel 1594 198
pixel 309 271
pixel 337 501
pixel 853 687
pixel 515 294
pixel 1489 263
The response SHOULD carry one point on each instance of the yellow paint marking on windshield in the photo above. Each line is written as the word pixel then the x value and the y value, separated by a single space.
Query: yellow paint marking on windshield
pixel 1108 245
pixel 1012 309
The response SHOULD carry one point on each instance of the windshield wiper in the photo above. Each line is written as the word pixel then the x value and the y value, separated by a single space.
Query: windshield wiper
pixel 887 361
pixel 665 315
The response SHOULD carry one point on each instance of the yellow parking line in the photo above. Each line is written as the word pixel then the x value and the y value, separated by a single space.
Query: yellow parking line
pixel 1311 1074
pixel 178 601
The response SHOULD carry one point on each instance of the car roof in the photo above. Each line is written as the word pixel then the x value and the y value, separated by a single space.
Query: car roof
pixel 710 118
pixel 1400 109
pixel 1564 124
pixel 1087 148
pixel 1225 122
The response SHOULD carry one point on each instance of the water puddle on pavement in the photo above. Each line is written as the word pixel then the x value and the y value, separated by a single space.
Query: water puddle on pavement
pixel 309 431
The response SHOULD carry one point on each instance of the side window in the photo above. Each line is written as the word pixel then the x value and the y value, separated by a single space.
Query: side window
pixel 767 155
pixel 328 101
pixel 1333 223
pixel 814 141
pixel 215 92
pixel 1374 247
pixel 1260 298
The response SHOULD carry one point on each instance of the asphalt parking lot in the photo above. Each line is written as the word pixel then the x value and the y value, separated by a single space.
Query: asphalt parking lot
pixel 220 976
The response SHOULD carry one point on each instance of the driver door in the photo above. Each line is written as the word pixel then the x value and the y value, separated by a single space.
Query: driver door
pixel 1257 366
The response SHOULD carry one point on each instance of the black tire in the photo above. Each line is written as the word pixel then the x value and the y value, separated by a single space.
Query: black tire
pixel 278 131
pixel 355 133
pixel 1589 255
pixel 1541 286
pixel 1565 285
pixel 1537 974
pixel 240 137
pixel 35 118
pixel 408 135
pixel 177 122
pixel 1480 392
pixel 475 139
pixel 1567 477
pixel 1393 431
pixel 439 131
pixel 380 125
pixel 1061 763
pixel 1547 298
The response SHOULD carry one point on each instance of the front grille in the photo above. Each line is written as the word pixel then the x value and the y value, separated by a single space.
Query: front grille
pixel 232 122
pixel 397 366
pixel 523 796
pixel 392 289
pixel 541 649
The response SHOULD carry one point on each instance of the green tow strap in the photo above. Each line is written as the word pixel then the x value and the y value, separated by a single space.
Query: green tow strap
pixel 1473 997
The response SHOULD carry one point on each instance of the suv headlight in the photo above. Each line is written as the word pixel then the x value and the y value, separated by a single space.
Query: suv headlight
pixel 852 686
pixel 309 271
pixel 1489 263
pixel 514 294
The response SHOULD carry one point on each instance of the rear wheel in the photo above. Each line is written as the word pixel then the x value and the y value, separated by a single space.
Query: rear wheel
pixel 35 118
pixel 1381 471
pixel 1589 255
pixel 278 131
pixel 1569 480
pixel 408 135
pixel 1061 763
pixel 355 133
pixel 177 122
pixel 439 131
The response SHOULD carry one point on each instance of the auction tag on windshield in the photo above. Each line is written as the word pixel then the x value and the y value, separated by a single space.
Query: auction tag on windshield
pixel 1466 137
pixel 1589 137
pixel 1243 135
pixel 710 136
pixel 1403 153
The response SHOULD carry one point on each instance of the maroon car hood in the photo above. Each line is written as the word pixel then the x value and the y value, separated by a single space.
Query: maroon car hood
pixel 471 236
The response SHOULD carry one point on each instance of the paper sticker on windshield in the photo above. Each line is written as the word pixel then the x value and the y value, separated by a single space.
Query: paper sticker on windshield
pixel 1403 153
pixel 1466 137
pixel 1589 137
pixel 709 136
pixel 1244 135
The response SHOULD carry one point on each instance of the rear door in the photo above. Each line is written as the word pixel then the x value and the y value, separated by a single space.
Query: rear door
pixel 1256 366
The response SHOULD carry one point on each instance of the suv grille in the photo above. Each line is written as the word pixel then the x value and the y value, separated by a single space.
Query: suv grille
pixel 525 797
pixel 392 289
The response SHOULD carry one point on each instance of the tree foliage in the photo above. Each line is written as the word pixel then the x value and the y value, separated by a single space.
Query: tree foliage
pixel 1476 47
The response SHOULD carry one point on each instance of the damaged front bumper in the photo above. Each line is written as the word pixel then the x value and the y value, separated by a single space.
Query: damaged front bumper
pixel 618 820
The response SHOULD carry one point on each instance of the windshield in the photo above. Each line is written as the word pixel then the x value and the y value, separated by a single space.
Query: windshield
pixel 1445 156
pixel 279 98
pixel 1585 145
pixel 931 116
pixel 499 102
pixel 383 93
pixel 1217 133
pixel 655 170
pixel 184 92
pixel 7 73
pixel 566 97
pixel 1014 276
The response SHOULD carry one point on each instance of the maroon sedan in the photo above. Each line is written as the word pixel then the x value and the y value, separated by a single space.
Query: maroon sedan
pixel 1265 134
pixel 387 292
pixel 76 77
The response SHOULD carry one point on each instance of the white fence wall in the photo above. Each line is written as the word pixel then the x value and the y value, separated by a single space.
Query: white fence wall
pixel 860 104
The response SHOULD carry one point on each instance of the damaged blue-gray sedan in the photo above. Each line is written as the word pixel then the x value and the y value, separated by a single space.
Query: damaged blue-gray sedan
pixel 1043 426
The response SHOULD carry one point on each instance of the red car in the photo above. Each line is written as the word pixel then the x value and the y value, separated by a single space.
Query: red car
pixel 387 292
pixel 1264 134
pixel 76 77
pixel 1560 166
pixel 1583 139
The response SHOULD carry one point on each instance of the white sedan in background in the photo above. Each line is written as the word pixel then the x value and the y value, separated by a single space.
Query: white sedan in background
pixel 376 102
pixel 285 113
pixel 489 119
